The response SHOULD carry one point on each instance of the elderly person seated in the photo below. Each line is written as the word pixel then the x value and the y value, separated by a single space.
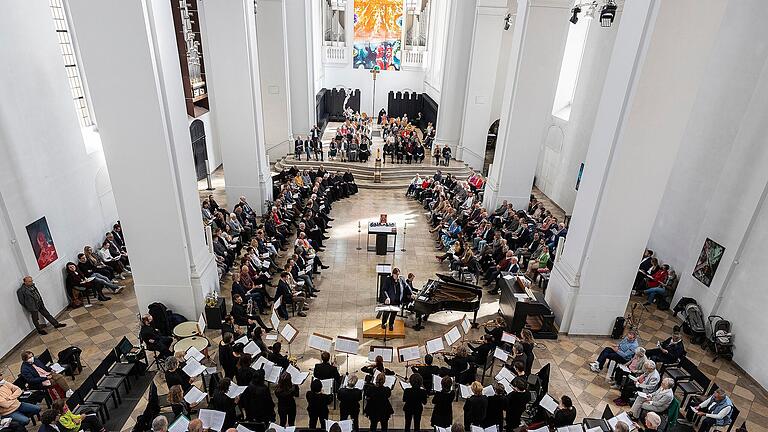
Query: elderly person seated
pixel 646 383
pixel 652 422
pixel 10 407
pixel 634 368
pixel 716 411
pixel 39 376
pixel 658 401
pixel 621 353
pixel 669 351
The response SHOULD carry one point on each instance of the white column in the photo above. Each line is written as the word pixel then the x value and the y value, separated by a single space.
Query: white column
pixel 232 69
pixel 273 69
pixel 538 41
pixel 481 77
pixel 455 69
pixel 300 65
pixel 586 98
pixel 643 112
pixel 135 85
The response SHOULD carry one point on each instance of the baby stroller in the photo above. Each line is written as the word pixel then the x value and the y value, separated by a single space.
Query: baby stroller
pixel 693 324
pixel 720 337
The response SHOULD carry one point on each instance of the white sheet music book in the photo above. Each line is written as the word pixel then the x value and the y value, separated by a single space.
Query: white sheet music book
pixel 505 374
pixel 465 324
pixel 544 428
pixel 344 425
pixel 386 353
pixel 279 428
pixel 273 374
pixel 251 348
pixel 194 396
pixel 508 337
pixel 383 268
pixel 442 429
pixel 194 353
pixel 488 390
pixel 241 428
pixel 465 391
pixel 387 308
pixel 271 336
pixel 492 428
pixel 262 361
pixel 623 417
pixel 548 403
pixel 408 353
pixel 571 428
pixel 201 323
pixel 509 276
pixel 624 367
pixel 57 368
pixel 274 320
pixel 437 383
pixel 327 386
pixel 404 385
pixel 643 395
pixel 320 342
pixel 210 370
pixel 212 419
pixel 180 424
pixel 435 345
pixel 347 345
pixel 297 376
pixel 277 304
pixel 500 354
pixel 193 368
pixel 595 429
pixel 235 391
pixel 289 332
pixel 389 381
pixel 452 336
pixel 243 340
pixel 507 386
pixel 358 385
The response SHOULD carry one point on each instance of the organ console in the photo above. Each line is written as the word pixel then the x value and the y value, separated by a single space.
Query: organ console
pixel 522 308
pixel 447 293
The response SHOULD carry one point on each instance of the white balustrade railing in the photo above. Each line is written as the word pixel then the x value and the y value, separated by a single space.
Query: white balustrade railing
pixel 335 54
pixel 414 58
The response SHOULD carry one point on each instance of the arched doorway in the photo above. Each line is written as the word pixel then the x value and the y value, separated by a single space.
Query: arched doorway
pixel 199 149
pixel 490 145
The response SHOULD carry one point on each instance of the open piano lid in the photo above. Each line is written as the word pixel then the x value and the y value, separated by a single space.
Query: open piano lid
pixel 453 281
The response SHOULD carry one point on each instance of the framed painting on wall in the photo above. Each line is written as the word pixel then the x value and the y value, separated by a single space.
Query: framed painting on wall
pixel 42 243
pixel 709 260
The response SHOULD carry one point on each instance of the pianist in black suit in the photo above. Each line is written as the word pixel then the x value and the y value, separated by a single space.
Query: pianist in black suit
pixel 394 293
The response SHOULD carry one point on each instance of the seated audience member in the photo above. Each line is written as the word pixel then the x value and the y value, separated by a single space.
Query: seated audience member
pixel 349 401
pixel 39 376
pixel 669 351
pixel 634 366
pixel 94 258
pixel 288 296
pixel 517 400
pixel 657 284
pixel 113 261
pixel 647 382
pixel 10 407
pixel 642 270
pixel 317 404
pixel 621 353
pixel 716 411
pixel 154 340
pixel 75 280
pixel 48 421
pixel 652 422
pixel 658 401
pixel 242 318
pixel 621 427
pixel 648 280
pixel 427 371
pixel 89 269
pixel 325 370
pixel 475 407
pixel 565 413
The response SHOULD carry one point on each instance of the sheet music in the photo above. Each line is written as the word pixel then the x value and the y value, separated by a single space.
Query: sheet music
pixel 505 374
pixel 180 424
pixel 389 381
pixel 289 332
pixel 595 429
pixel 344 425
pixel 404 385
pixel 500 354
pixel 212 419
pixel 383 268
pixel 507 386
pixel 491 428
pixel 544 428
pixel 274 320
pixel 273 374
pixel 508 276
pixel 465 324
pixel 623 417
pixel 327 386
pixel 466 392
pixel 571 428
pixel 297 376
pixel 277 303
pixel 452 336
pixel 271 336
pixel 194 396
pixel 387 308
pixel 210 370
pixel 320 342
pixel 643 395
pixel 57 368
pixel 193 368
pixel 358 385
pixel 243 340
pixel 386 353
pixel 408 353
pixel 201 323
pixel 508 337
pixel 347 345
pixel 437 383
pixel 235 390
pixel 442 429
pixel 279 428
pixel 435 345
pixel 241 428
pixel 624 367
pixel 252 349
pixel 489 391
pixel 194 353
pixel 548 403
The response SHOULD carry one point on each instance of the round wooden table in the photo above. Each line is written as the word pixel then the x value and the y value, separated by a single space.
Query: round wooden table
pixel 199 342
pixel 186 329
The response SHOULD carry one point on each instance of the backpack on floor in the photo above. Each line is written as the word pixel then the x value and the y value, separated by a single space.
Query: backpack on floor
pixel 618 328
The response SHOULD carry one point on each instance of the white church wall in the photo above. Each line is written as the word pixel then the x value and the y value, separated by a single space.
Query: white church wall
pixel 46 169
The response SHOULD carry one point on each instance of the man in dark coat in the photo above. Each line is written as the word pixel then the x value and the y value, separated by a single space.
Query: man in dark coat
pixel 31 300
pixel 394 293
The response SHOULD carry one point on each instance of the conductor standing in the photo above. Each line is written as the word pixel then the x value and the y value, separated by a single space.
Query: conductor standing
pixel 395 293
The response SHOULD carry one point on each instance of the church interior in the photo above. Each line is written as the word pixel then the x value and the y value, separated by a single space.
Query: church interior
pixel 343 215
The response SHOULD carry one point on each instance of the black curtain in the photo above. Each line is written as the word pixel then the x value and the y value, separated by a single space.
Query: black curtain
pixel 411 103
pixel 321 110
pixel 199 149
pixel 334 103
pixel 428 111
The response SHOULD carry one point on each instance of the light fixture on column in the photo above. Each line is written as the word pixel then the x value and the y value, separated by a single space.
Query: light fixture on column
pixel 608 14
pixel 589 12
pixel 507 21
pixel 575 14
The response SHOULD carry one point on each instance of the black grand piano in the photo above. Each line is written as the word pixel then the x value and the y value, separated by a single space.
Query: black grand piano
pixel 532 313
pixel 447 293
